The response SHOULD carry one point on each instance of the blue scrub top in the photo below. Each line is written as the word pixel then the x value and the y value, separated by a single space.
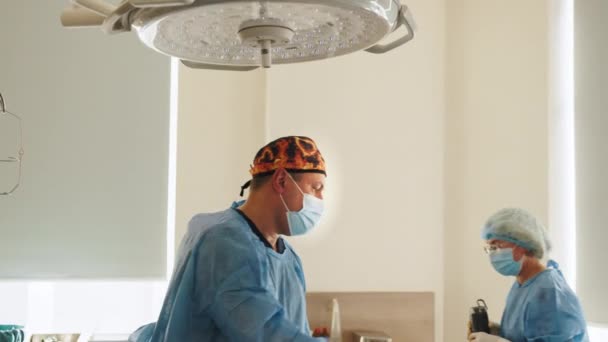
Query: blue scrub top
pixel 543 309
pixel 230 285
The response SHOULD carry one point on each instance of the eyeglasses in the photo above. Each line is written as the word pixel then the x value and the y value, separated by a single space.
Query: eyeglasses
pixel 490 249
pixel 493 248
pixel 19 155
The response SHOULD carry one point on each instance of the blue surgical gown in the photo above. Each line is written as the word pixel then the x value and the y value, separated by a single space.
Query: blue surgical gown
pixel 228 285
pixel 543 309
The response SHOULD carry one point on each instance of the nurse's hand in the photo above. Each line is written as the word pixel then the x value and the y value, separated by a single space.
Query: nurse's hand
pixel 483 337
pixel 494 328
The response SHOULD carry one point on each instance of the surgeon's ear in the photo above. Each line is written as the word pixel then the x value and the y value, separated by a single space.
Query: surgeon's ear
pixel 279 177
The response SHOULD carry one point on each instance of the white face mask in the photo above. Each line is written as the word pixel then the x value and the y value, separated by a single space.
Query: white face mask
pixel 303 221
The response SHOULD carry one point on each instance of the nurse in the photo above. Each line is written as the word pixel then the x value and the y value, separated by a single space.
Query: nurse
pixel 540 306
pixel 236 278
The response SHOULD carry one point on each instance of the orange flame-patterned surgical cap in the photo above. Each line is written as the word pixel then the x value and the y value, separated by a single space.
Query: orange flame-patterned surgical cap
pixel 293 153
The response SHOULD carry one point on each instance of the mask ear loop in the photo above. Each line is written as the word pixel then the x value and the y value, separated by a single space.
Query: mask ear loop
pixel 295 183
pixel 285 204
pixel 297 186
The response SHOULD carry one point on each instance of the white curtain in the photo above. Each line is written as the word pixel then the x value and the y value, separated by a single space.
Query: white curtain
pixel 591 147
pixel 95 111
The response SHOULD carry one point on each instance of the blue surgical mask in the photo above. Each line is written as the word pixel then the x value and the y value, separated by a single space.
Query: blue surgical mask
pixel 303 221
pixel 503 262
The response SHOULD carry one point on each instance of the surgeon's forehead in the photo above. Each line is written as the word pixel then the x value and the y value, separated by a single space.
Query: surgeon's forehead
pixel 313 177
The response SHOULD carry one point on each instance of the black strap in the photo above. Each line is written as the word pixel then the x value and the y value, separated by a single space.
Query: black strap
pixel 245 186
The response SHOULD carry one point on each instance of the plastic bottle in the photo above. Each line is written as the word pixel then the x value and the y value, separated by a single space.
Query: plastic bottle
pixel 335 334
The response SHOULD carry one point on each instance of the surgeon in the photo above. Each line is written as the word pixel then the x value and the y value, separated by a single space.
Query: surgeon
pixel 236 278
pixel 540 306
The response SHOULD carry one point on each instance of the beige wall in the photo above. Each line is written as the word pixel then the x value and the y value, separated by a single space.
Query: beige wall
pixel 379 120
pixel 220 126
pixel 496 141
